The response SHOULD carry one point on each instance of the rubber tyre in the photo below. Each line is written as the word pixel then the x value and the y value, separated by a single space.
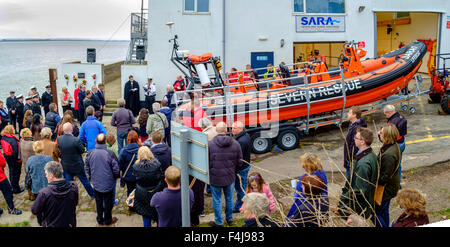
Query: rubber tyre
pixel 435 97
pixel 288 139
pixel 445 101
pixel 260 145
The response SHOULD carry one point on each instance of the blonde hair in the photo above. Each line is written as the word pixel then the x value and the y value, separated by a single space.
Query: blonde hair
pixel 64 88
pixel 144 153
pixel 25 133
pixel 390 134
pixel 310 162
pixel 9 129
pixel 412 202
pixel 46 133
pixel 38 147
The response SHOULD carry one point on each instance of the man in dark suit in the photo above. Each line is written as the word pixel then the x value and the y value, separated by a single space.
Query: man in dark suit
pixel 36 107
pixel 70 149
pixel 47 99
pixel 131 95
pixel 28 104
pixel 20 111
pixel 11 105
pixel 101 96
pixel 96 99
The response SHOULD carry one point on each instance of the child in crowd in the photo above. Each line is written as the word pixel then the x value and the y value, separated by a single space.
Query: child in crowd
pixel 256 184
pixel 413 204
pixel 110 141
pixel 142 120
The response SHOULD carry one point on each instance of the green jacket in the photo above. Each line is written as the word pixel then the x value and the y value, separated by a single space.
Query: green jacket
pixel 389 161
pixel 112 149
pixel 358 192
pixel 156 122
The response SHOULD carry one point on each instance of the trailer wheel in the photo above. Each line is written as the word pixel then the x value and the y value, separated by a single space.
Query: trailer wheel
pixel 288 139
pixel 412 110
pixel 445 103
pixel 260 145
pixel 435 97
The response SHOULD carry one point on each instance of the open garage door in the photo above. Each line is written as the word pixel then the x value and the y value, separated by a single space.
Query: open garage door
pixel 395 29
pixel 328 50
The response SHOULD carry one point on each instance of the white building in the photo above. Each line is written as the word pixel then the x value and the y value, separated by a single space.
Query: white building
pixel 258 32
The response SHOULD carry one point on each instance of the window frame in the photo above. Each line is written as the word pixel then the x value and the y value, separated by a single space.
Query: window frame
pixel 195 12
pixel 306 13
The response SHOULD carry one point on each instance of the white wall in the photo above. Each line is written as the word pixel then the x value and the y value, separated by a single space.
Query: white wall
pixel 247 20
pixel 72 69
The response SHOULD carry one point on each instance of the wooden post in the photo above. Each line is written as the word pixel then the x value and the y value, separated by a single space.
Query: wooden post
pixel 53 75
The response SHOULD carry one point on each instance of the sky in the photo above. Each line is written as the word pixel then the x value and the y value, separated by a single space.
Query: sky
pixel 85 19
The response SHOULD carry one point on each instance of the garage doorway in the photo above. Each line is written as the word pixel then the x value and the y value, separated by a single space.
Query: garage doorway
pixel 328 50
pixel 396 29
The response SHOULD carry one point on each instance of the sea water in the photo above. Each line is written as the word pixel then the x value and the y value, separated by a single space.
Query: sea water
pixel 26 63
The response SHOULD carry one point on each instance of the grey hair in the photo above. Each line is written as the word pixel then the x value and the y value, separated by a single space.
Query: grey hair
pixel 55 168
pixel 156 107
pixel 389 108
pixel 46 133
pixel 256 203
pixel 121 102
pixel 204 122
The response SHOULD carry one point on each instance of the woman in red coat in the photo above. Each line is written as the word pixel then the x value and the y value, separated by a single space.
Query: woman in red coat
pixel 75 96
pixel 11 146
pixel 6 188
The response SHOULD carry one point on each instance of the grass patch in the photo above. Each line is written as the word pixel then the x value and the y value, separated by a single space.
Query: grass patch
pixel 412 171
pixel 20 224
pixel 445 212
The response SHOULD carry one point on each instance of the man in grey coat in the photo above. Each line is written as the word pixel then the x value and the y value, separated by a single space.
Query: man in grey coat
pixel 102 168
pixel 123 119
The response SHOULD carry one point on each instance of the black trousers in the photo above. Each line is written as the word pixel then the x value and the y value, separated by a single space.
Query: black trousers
pixel 15 169
pixel 149 100
pixel 20 122
pixel 13 120
pixel 81 117
pixel 105 202
pixel 7 192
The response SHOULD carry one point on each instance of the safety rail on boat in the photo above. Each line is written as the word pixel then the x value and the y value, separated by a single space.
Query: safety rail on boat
pixel 228 96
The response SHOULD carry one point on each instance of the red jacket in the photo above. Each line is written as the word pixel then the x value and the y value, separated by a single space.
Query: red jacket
pixel 11 146
pixel 75 95
pixel 179 85
pixel 2 167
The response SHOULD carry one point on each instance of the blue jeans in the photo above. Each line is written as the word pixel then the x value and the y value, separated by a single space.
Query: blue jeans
pixel 121 138
pixel 83 179
pixel 217 202
pixel 382 212
pixel 402 148
pixel 147 221
pixel 240 192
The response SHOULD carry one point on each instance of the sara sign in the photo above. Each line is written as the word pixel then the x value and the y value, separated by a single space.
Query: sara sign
pixel 320 23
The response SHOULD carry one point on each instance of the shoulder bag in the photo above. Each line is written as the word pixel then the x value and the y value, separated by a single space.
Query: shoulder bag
pixel 122 181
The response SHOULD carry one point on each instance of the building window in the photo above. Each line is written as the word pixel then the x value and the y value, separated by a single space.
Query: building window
pixel 398 15
pixel 196 6
pixel 319 6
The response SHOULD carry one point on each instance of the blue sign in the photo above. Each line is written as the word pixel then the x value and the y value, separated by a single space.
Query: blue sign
pixel 320 23
pixel 197 151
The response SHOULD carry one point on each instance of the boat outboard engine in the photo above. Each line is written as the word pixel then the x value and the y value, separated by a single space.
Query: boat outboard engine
pixel 203 75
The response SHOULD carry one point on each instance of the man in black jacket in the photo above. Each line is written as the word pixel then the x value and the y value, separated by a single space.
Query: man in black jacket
pixel 101 96
pixel 20 111
pixel 240 185
pixel 56 205
pixel 70 150
pixel 354 116
pixel 401 123
pixel 28 104
pixel 11 105
pixel 36 107
pixel 131 95
pixel 95 99
pixel 47 99
pixel 52 119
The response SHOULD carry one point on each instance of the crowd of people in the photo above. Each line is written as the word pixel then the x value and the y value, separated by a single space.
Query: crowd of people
pixel 52 150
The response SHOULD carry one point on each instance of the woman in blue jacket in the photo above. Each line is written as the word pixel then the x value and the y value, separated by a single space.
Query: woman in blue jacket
pixel 35 167
pixel 127 157
pixel 312 165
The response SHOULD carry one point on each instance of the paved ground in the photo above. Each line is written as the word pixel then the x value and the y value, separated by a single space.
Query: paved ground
pixel 428 143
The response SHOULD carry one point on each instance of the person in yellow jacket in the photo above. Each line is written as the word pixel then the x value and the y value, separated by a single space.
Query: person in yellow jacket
pixel 271 71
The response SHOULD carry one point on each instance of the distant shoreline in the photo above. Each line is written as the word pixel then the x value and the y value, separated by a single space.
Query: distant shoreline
pixel 37 40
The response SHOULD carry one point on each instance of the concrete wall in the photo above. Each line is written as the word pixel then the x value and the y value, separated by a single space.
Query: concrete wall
pixel 247 21
pixel 112 71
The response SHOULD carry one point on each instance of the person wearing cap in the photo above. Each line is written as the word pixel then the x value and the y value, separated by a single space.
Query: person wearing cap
pixel 28 104
pixel 47 99
pixel 11 105
pixel 36 107
pixel 150 94
pixel 20 111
